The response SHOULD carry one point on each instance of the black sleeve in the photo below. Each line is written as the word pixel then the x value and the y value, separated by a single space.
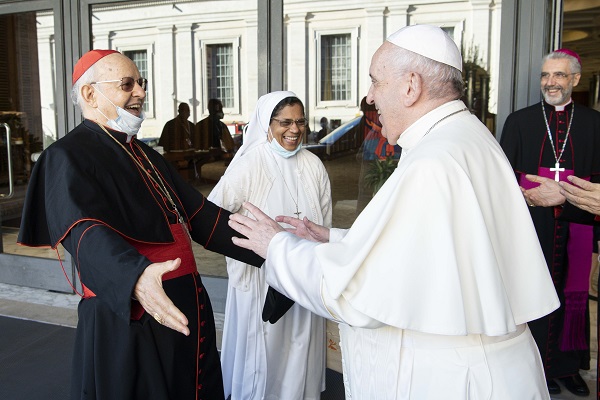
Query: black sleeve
pixel 210 228
pixel 276 305
pixel 107 264
pixel 510 141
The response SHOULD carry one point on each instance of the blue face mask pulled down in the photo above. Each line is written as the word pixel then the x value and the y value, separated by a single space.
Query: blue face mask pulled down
pixel 279 149
pixel 125 122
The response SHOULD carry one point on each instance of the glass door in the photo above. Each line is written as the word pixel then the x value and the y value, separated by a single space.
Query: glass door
pixel 31 111
pixel 27 114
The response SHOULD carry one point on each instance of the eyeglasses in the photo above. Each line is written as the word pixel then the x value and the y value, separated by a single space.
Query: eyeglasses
pixel 286 123
pixel 558 76
pixel 127 83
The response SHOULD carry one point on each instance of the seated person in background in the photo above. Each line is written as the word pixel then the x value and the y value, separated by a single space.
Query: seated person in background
pixel 177 133
pixel 212 133
pixel 323 132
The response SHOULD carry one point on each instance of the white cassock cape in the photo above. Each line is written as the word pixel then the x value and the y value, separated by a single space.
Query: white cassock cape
pixel 285 360
pixel 445 249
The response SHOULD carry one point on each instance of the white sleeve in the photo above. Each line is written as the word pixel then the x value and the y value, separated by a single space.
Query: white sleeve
pixel 336 235
pixel 293 269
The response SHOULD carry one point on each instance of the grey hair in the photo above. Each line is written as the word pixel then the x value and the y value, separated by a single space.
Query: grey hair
pixel 87 77
pixel 574 65
pixel 440 81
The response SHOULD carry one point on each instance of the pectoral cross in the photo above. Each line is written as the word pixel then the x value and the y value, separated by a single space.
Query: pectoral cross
pixel 557 170
pixel 297 213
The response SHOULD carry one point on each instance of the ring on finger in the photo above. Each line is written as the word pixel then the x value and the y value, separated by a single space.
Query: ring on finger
pixel 158 318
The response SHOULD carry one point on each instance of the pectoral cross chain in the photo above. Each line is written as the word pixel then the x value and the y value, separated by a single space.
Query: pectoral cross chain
pixel 557 170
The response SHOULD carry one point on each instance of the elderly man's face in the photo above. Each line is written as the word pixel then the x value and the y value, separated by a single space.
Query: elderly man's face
pixel 115 67
pixel 384 93
pixel 557 81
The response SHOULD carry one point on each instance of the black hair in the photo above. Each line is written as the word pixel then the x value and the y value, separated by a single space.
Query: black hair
pixel 288 101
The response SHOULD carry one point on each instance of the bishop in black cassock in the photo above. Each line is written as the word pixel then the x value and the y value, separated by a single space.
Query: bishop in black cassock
pixel 528 138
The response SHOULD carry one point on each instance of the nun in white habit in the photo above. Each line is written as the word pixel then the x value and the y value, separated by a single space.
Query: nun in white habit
pixel 284 360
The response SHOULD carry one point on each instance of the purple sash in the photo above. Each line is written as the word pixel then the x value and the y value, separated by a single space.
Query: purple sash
pixel 579 255
pixel 546 173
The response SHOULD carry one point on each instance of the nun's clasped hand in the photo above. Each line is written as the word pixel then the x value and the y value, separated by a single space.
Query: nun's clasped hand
pixel 259 231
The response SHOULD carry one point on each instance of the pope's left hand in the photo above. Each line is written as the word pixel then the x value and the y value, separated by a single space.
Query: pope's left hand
pixel 259 231
pixel 582 194
pixel 547 194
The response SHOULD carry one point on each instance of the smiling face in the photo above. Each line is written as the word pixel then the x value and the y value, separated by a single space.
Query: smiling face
pixel 384 93
pixel 557 81
pixel 288 137
pixel 115 67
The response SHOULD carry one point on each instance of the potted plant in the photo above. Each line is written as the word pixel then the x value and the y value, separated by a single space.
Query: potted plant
pixel 379 171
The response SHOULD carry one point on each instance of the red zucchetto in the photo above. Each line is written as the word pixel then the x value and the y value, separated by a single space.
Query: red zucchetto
pixel 87 60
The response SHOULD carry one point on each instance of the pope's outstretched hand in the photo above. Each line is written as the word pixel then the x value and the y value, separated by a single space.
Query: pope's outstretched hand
pixel 259 231
pixel 305 229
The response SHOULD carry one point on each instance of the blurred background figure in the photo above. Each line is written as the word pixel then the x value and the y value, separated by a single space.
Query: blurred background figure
pixel 378 158
pixel 177 133
pixel 323 131
pixel 212 133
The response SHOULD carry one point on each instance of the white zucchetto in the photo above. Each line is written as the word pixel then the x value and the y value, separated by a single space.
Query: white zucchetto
pixel 428 41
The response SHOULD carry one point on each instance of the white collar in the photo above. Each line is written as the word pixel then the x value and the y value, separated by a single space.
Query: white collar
pixel 562 108
pixel 414 133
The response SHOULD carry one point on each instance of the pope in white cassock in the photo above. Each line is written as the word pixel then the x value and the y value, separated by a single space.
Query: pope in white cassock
pixel 434 283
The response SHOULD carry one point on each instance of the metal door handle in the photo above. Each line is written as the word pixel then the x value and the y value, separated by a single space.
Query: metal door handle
pixel 10 171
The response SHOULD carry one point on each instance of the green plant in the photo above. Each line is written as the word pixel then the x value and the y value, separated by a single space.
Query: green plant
pixel 379 171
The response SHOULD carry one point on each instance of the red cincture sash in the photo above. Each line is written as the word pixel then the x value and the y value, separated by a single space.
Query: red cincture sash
pixel 157 253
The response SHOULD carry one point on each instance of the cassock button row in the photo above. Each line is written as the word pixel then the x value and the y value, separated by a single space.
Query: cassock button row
pixel 202 339
pixel 200 387
pixel 200 371
pixel 202 306
pixel 201 356
pixel 199 290
pixel 202 323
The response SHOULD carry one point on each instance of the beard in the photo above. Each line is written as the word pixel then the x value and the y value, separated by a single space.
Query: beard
pixel 561 97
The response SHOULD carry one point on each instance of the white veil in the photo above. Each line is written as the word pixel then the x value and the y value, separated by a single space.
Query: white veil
pixel 255 133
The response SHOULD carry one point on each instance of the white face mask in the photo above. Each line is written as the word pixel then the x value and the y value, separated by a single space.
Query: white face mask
pixel 282 151
pixel 125 122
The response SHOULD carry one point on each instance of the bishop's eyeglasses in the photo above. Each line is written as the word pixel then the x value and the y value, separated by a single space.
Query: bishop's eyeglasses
pixel 286 123
pixel 558 76
pixel 127 83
